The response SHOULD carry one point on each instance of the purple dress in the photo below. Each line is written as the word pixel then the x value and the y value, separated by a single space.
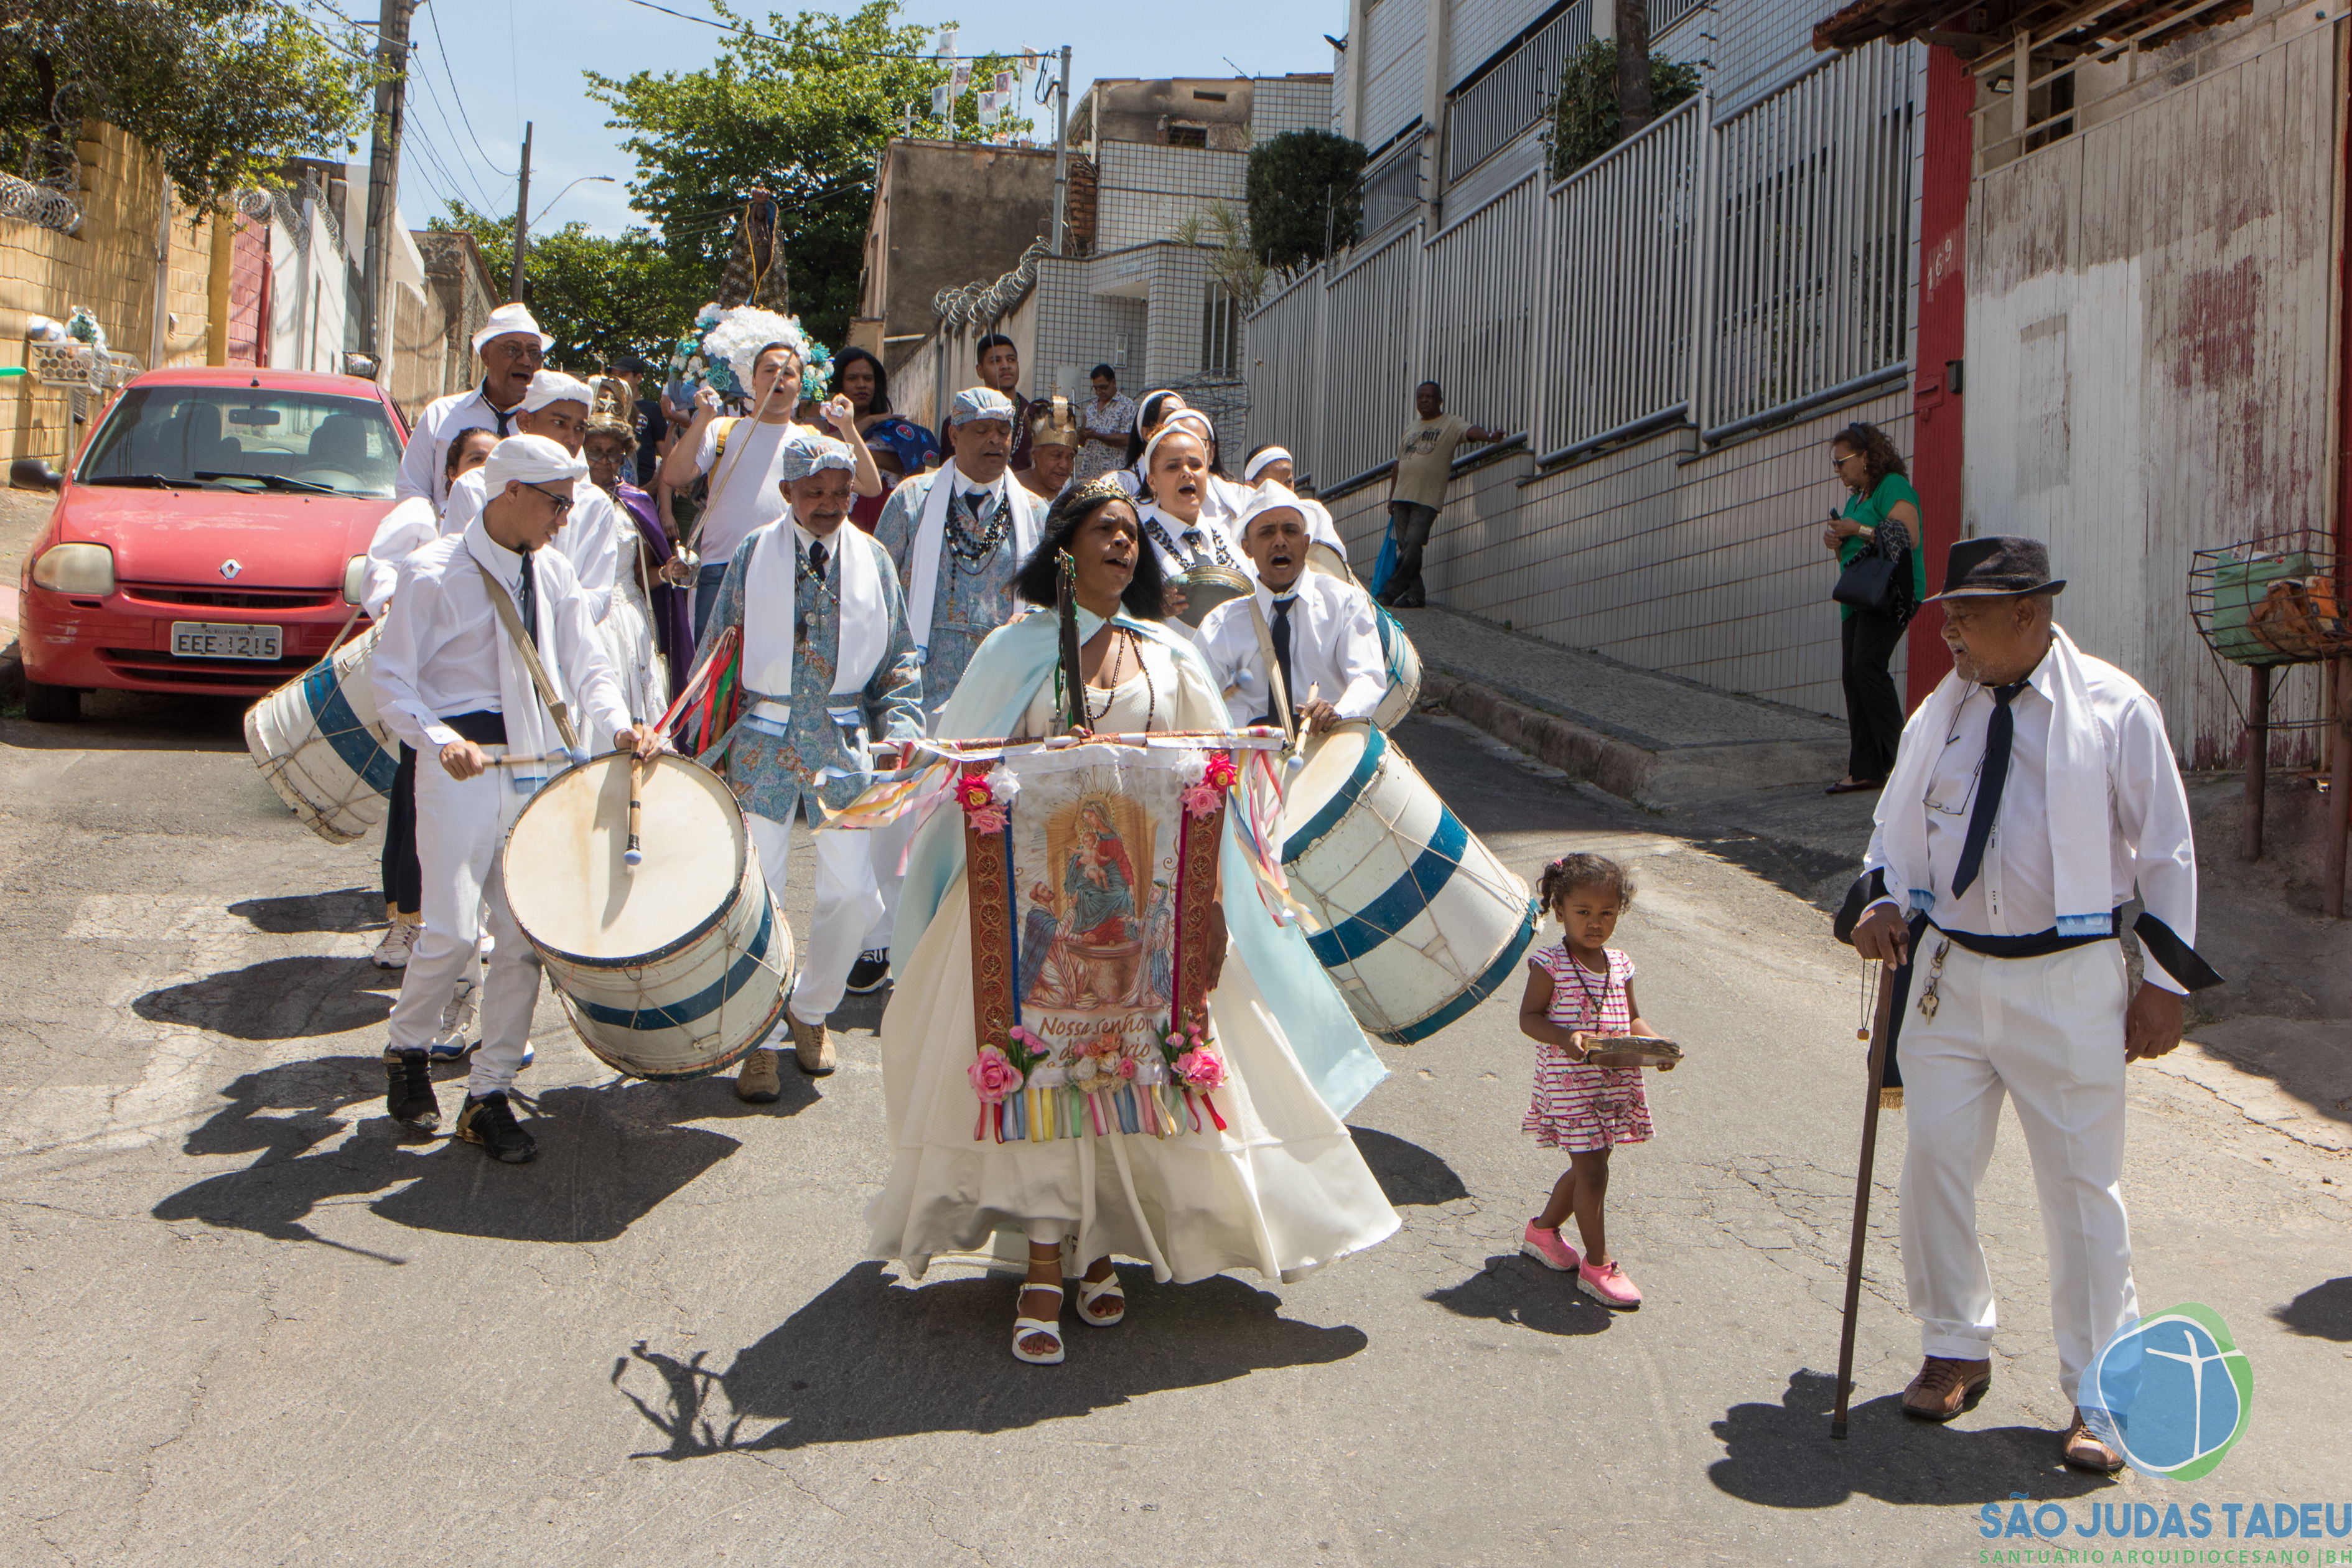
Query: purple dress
pixel 673 608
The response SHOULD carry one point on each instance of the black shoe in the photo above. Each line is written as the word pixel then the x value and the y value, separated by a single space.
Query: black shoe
pixel 870 972
pixel 489 1121
pixel 408 1092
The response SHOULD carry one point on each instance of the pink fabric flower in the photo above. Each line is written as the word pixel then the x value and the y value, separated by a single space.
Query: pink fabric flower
pixel 987 819
pixel 1201 1068
pixel 1220 772
pixel 992 1075
pixel 1202 799
pixel 1126 1069
pixel 972 793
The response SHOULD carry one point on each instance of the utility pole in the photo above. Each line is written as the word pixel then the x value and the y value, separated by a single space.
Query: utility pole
pixel 522 208
pixel 1062 153
pixel 383 164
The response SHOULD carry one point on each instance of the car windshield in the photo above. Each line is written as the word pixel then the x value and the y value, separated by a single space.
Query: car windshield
pixel 296 443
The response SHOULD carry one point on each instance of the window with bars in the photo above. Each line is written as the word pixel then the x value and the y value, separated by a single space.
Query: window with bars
pixel 1221 332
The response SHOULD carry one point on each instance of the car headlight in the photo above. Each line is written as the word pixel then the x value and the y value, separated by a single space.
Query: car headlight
pixel 87 570
pixel 354 579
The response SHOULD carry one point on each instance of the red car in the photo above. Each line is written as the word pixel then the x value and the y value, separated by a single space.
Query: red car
pixel 208 539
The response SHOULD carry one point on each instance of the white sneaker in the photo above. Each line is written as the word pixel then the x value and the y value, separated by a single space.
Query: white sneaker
pixel 456 1037
pixel 399 938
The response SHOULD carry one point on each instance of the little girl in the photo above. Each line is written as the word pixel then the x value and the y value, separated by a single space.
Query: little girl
pixel 1577 991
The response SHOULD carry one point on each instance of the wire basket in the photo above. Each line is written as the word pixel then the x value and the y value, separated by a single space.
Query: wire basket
pixel 77 367
pixel 2271 601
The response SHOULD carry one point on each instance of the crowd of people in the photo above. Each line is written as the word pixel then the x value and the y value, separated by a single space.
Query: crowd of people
pixel 564 556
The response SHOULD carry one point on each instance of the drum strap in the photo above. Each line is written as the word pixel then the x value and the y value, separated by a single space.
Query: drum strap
pixel 1273 681
pixel 503 603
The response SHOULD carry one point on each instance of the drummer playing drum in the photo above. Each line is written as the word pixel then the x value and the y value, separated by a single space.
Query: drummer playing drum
pixel 452 682
pixel 1322 631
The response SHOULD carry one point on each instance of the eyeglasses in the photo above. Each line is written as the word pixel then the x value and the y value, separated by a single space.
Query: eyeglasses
pixel 562 503
pixel 1836 463
pixel 513 351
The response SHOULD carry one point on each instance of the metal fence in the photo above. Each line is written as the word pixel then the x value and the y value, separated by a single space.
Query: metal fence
pixel 1717 273
pixel 1489 113
pixel 1475 333
pixel 1623 234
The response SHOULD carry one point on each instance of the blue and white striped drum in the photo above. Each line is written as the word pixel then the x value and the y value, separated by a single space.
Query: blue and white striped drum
pixel 1416 921
pixel 669 970
pixel 318 742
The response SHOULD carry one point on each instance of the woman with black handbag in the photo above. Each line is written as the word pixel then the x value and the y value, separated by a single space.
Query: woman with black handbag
pixel 1882 578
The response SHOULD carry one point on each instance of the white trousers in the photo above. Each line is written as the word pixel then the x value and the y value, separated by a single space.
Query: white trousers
pixel 2048 1033
pixel 847 903
pixel 459 827
pixel 889 845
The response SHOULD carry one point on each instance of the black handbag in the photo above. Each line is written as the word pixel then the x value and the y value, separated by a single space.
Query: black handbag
pixel 1873 580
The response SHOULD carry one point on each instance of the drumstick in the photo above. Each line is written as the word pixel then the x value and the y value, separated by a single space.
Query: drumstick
pixel 634 857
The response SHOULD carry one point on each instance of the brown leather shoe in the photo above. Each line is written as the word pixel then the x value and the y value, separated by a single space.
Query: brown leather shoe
pixel 2083 1449
pixel 1945 1387
pixel 814 1047
pixel 756 1079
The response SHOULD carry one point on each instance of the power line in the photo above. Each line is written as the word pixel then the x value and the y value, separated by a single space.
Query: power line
pixel 442 50
pixel 746 30
pixel 433 98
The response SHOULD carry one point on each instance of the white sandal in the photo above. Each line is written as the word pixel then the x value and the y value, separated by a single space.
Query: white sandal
pixel 1092 1290
pixel 1024 1327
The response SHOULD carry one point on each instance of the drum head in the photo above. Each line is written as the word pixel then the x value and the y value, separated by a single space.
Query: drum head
pixel 1330 761
pixel 1321 557
pixel 565 880
pixel 1206 589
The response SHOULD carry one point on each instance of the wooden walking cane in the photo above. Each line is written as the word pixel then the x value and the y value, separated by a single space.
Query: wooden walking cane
pixel 1881 1026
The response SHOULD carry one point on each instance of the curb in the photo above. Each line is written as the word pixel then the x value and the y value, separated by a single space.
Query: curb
pixel 1618 766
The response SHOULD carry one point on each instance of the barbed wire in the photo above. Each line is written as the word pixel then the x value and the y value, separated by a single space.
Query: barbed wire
pixel 975 302
pixel 42 205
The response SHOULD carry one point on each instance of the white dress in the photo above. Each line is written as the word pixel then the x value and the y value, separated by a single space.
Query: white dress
pixel 1281 1190
pixel 627 633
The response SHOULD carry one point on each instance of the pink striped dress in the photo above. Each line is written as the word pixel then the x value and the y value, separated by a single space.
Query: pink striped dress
pixel 1577 1108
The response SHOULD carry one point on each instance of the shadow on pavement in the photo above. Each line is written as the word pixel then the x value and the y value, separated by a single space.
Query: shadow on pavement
pixel 607 1156
pixel 1514 1290
pixel 869 1358
pixel 139 721
pixel 2323 1311
pixel 346 910
pixel 278 999
pixel 1409 1175
pixel 1782 1456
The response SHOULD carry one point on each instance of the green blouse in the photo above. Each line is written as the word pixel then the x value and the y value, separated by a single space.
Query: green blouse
pixel 1870 512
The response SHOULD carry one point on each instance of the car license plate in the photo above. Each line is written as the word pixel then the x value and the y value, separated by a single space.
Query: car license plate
pixel 209 639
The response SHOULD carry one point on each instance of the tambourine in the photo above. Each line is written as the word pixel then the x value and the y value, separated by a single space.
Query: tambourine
pixel 1630 1051
pixel 1206 588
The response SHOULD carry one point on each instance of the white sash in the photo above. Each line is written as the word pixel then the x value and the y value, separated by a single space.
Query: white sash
pixel 771 612
pixel 529 731
pixel 930 538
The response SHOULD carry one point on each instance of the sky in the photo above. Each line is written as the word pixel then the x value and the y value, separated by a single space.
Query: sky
pixel 503 62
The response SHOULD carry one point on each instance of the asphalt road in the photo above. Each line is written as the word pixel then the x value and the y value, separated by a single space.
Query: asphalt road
pixel 253 1326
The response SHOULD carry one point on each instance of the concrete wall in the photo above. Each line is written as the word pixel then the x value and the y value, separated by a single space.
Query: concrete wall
pixel 1712 569
pixel 948 214
pixel 109 264
pixel 2152 356
pixel 1148 190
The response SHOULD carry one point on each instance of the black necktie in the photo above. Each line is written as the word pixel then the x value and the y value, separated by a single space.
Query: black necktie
pixel 1997 736
pixel 526 600
pixel 1282 654
pixel 816 559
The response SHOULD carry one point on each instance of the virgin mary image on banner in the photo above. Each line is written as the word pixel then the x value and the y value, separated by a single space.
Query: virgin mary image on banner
pixel 1096 921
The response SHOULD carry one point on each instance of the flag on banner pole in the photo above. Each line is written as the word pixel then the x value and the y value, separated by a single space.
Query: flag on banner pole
pixel 941 101
pixel 987 107
pixel 1007 84
pixel 946 42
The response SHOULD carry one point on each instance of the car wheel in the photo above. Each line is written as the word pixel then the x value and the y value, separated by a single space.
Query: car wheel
pixel 46 704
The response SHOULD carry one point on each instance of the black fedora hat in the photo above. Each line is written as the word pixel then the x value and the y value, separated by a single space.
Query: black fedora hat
pixel 1997 565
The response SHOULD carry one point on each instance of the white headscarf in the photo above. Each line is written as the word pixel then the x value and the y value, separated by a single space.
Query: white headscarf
pixel 533 460
pixel 555 386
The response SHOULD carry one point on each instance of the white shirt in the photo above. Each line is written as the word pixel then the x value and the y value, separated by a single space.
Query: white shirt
pixel 746 484
pixel 1216 545
pixel 1335 649
pixel 425 458
pixel 438 655
pixel 590 538
pixel 409 527
pixel 2150 845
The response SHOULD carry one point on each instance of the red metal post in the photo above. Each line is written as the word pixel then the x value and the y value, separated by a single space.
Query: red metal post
pixel 1942 342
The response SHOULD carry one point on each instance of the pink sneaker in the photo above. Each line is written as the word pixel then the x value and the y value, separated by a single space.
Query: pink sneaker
pixel 1608 1286
pixel 1547 1247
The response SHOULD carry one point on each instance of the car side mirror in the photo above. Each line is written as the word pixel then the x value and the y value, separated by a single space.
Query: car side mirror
pixel 35 474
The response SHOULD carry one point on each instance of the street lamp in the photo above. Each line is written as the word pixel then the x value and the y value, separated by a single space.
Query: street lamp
pixel 522 228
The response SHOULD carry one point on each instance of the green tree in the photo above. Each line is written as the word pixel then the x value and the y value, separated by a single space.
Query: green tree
pixel 221 90
pixel 1586 114
pixel 802 109
pixel 598 298
pixel 1306 197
